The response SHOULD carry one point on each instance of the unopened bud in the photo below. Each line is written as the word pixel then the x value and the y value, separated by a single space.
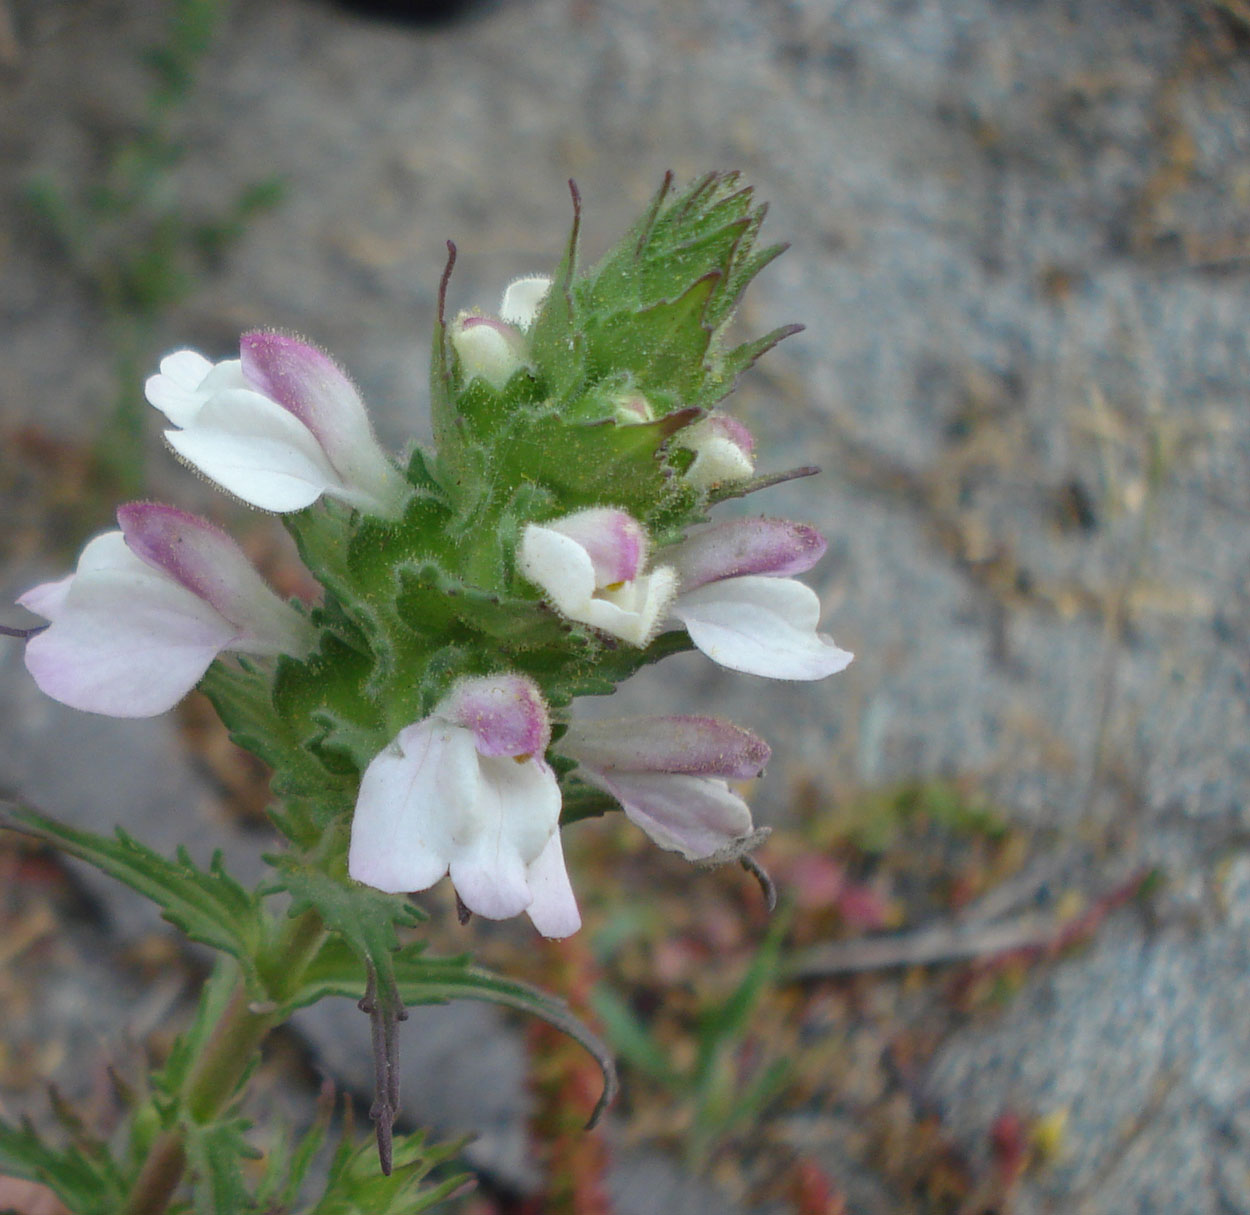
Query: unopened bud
pixel 724 451
pixel 488 349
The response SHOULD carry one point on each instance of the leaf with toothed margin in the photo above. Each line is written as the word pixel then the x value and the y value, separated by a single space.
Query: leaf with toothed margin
pixel 86 1183
pixel 208 905
pixel 354 1186
pixel 420 979
pixel 215 1154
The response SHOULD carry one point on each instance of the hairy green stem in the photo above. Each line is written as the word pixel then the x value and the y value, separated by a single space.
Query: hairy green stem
pixel 227 1054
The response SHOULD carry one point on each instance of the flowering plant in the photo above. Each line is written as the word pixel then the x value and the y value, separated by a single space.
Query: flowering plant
pixel 418 717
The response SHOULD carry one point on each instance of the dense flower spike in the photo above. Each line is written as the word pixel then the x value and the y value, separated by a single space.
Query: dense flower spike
pixel 467 791
pixel 591 566
pixel 135 627
pixel 669 775
pixel 464 590
pixel 740 604
pixel 277 427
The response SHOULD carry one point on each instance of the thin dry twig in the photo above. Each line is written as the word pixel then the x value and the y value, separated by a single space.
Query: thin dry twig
pixel 937 943
pixel 961 941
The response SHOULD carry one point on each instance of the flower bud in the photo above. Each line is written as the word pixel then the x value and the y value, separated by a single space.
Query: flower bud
pixel 591 564
pixel 724 451
pixel 487 349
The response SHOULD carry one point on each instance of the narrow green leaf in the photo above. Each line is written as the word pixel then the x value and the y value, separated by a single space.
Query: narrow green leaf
pixel 337 971
pixel 85 1185
pixel 630 1038
pixel 208 905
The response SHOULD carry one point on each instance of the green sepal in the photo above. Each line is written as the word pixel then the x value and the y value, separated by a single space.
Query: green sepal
pixel 597 464
pixel 724 369
pixel 208 905
pixel 419 979
pixel 664 344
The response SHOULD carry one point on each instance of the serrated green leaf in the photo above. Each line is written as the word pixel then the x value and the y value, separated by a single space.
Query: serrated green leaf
pixel 208 905
pixel 355 1187
pixel 214 1152
pixel 86 1185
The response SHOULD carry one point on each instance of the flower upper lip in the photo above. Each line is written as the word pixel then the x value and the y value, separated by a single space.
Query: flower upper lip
pixel 278 427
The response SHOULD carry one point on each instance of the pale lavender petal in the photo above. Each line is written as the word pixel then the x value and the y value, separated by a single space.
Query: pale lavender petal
pixel 48 598
pixel 696 816
pixel 763 626
pixel 127 642
pixel 695 746
pixel 258 451
pixel 313 387
pixel 553 910
pixel 202 558
pixel 506 714
pixel 404 827
pixel 775 548
pixel 615 542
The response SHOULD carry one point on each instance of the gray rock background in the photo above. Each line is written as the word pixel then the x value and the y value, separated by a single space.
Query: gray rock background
pixel 1020 244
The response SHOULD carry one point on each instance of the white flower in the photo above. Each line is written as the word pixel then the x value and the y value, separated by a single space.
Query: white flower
pixel 277 427
pixel 467 791
pixel 590 564
pixel 740 605
pixel 147 610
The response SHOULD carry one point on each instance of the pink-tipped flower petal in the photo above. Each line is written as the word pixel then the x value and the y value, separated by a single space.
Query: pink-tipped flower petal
pixel 467 792
pixel 125 640
pixel 724 451
pixel 277 428
pixel 488 349
pixel 590 565
pixel 316 390
pixel 670 776
pixel 775 548
pixel 148 608
pixel 209 564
